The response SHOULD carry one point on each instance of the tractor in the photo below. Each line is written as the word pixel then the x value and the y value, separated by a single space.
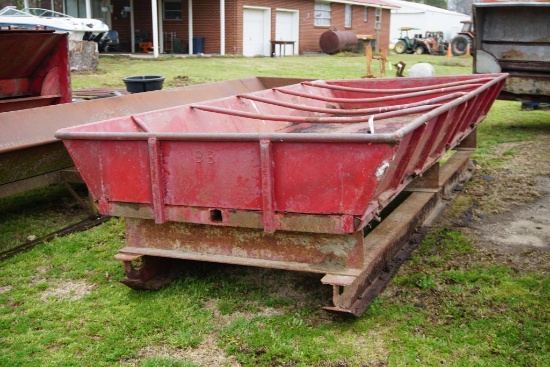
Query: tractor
pixel 433 43
pixel 464 39
pixel 405 44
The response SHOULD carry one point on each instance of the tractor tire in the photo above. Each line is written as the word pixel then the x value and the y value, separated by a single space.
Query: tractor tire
pixel 419 50
pixel 400 47
pixel 459 45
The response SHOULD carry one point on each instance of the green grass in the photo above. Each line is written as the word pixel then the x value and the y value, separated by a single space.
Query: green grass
pixel 510 124
pixel 452 304
pixel 194 70
pixel 35 214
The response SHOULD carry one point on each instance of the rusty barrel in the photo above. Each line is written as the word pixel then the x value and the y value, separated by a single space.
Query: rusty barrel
pixel 332 42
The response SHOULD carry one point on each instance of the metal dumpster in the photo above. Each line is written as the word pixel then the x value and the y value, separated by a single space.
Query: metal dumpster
pixel 286 178
pixel 34 69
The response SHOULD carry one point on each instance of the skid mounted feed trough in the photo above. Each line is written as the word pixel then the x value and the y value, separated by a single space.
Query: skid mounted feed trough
pixel 290 177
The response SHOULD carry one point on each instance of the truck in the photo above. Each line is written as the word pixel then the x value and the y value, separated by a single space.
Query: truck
pixel 514 37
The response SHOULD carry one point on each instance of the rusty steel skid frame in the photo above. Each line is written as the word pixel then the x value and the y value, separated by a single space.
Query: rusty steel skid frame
pixel 389 244
pixel 355 265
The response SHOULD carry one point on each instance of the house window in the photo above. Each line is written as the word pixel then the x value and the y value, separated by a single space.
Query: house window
pixel 322 14
pixel 348 16
pixel 377 18
pixel 366 15
pixel 172 9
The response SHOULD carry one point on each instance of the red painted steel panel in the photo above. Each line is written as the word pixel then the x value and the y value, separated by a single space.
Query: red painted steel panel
pixel 327 178
pixel 216 169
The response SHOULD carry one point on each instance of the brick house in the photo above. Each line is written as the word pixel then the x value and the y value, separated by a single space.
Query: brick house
pixel 250 25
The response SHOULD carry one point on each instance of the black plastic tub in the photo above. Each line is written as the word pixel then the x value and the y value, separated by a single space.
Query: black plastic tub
pixel 143 83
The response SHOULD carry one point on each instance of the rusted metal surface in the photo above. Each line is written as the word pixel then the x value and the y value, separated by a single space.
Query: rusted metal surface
pixel 34 69
pixel 357 266
pixel 35 160
pixel 389 244
pixel 28 143
pixel 514 37
pixel 265 159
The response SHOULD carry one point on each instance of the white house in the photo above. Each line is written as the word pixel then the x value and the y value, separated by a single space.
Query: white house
pixel 425 18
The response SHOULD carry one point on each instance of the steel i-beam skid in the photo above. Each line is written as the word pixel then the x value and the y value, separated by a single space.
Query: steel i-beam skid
pixel 357 266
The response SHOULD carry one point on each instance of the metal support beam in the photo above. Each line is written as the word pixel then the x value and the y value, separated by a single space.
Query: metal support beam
pixel 154 17
pixel 190 25
pixel 222 27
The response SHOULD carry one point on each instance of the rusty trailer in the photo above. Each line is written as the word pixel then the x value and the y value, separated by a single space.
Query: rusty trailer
pixel 290 177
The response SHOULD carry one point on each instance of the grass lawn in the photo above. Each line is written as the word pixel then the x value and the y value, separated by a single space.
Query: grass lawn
pixel 457 302
pixel 194 70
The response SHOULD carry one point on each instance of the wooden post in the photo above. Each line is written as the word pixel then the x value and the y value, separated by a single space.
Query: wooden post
pixel 368 55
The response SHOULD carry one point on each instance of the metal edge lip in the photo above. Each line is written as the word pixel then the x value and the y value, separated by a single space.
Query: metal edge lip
pixel 394 137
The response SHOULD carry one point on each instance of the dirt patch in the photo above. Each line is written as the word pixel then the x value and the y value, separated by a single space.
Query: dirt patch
pixel 207 354
pixel 220 320
pixel 509 215
pixel 527 225
pixel 5 289
pixel 519 237
pixel 70 290
pixel 180 81
pixel 512 181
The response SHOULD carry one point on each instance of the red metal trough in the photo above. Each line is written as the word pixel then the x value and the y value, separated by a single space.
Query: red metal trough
pixel 284 178
pixel 34 69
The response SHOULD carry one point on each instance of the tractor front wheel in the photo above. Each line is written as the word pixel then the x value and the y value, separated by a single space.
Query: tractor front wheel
pixel 419 50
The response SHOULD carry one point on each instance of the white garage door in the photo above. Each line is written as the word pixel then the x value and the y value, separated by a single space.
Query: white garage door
pixel 256 32
pixel 286 29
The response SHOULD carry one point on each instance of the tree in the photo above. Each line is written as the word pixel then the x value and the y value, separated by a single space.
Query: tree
pixel 461 6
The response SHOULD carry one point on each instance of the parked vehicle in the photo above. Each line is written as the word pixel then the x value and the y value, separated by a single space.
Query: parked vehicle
pixel 79 29
pixel 432 43
pixel 405 44
pixel 464 39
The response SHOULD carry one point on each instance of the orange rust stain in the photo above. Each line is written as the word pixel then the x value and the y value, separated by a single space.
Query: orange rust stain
pixel 513 55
